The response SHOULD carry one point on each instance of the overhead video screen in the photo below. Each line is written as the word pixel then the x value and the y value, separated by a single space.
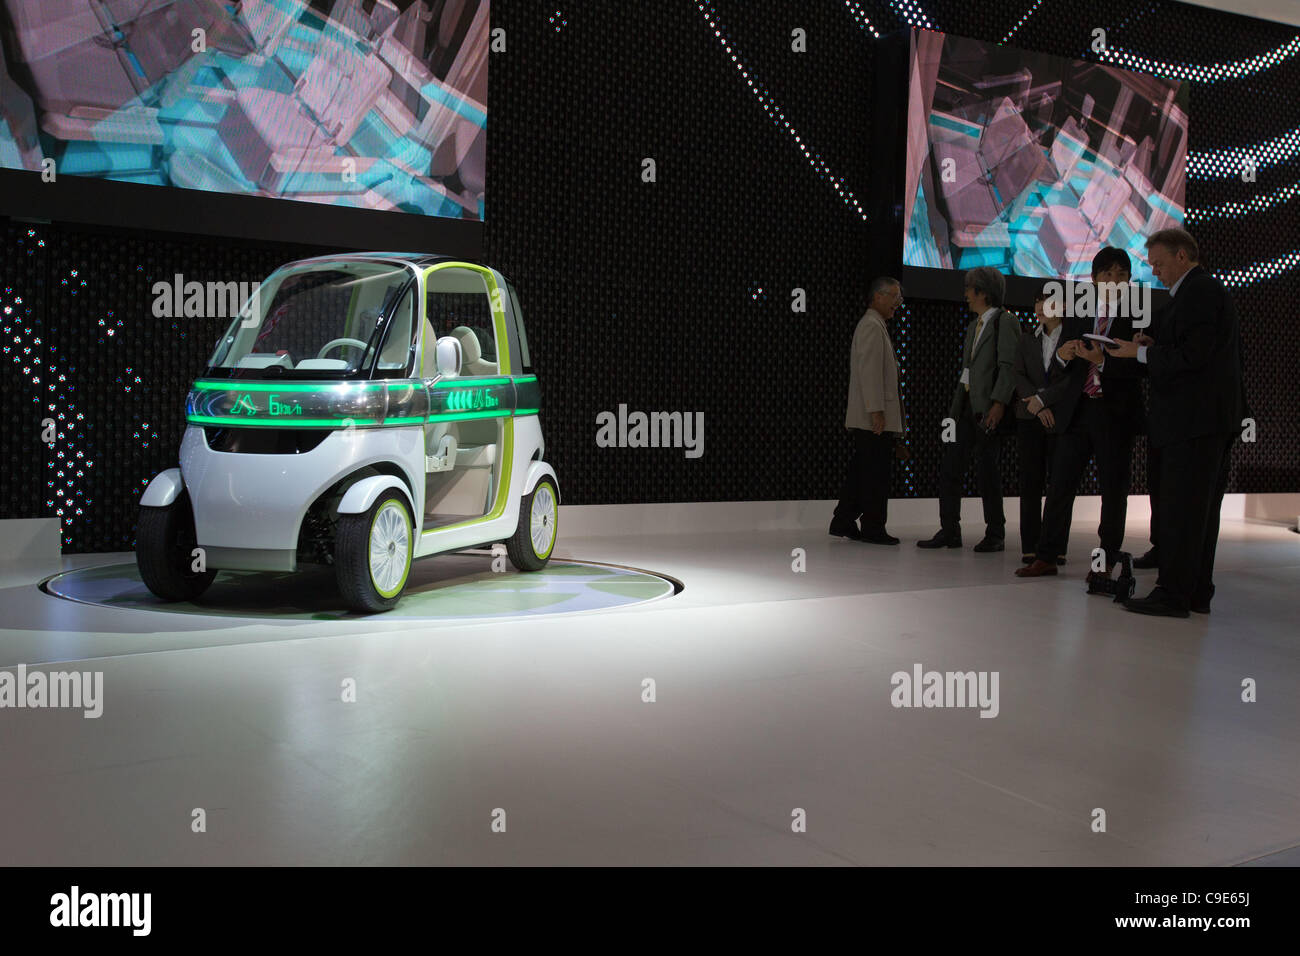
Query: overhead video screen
pixel 371 104
pixel 1030 163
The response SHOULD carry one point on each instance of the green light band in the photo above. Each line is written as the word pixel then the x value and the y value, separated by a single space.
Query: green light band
pixel 468 416
pixel 236 422
pixel 340 423
pixel 469 382
pixel 236 385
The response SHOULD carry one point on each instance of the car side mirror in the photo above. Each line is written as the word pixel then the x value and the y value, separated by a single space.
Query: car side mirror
pixel 448 356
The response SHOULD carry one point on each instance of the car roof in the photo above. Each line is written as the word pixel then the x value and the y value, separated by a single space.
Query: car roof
pixel 405 258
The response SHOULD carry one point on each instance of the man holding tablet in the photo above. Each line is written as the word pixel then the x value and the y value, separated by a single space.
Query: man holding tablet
pixel 1098 417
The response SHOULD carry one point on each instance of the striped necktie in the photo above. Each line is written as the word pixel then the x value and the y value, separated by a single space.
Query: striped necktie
pixel 1092 388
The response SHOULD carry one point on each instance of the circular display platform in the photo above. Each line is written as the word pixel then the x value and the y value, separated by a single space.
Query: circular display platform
pixel 455 587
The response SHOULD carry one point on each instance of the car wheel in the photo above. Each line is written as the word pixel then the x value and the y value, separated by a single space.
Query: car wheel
pixel 164 552
pixel 372 554
pixel 531 545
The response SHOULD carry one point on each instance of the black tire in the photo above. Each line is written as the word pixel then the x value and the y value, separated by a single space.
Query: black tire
pixel 521 547
pixel 352 566
pixel 164 546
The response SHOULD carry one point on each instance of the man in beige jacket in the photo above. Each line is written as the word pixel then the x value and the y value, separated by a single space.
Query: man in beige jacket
pixel 875 420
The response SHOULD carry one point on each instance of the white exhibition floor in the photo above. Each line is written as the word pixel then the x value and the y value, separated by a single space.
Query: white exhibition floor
pixel 772 693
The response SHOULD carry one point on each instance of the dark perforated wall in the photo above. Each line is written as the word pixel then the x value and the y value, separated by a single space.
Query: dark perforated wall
pixel 674 295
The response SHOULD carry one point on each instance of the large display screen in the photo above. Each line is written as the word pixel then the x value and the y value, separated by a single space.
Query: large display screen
pixel 370 104
pixel 1030 163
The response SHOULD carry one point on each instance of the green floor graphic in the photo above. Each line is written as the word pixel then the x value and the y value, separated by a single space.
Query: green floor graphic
pixel 455 587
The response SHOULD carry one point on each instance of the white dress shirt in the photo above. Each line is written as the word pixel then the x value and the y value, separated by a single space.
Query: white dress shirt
pixel 1048 341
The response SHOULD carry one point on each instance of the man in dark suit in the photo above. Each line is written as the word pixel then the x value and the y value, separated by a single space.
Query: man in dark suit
pixel 1193 360
pixel 979 403
pixel 1151 558
pixel 1041 381
pixel 1097 417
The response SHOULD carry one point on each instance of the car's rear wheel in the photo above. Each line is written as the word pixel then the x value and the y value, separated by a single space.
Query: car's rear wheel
pixel 534 539
pixel 164 552
pixel 372 554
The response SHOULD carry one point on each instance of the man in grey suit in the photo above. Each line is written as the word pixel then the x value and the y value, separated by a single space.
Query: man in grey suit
pixel 979 403
pixel 874 419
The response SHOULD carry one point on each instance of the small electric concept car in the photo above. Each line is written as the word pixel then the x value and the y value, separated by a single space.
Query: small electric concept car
pixel 361 411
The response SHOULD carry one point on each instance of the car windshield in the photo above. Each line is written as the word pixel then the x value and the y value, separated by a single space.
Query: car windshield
pixel 319 320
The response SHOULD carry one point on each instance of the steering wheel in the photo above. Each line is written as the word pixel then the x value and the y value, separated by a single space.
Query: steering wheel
pixel 335 343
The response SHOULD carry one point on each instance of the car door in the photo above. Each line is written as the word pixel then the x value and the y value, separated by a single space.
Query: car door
pixel 469 428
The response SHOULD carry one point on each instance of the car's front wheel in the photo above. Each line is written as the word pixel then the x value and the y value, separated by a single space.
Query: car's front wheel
pixel 531 545
pixel 164 552
pixel 372 554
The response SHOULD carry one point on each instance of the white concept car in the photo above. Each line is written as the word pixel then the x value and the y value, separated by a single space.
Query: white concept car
pixel 363 410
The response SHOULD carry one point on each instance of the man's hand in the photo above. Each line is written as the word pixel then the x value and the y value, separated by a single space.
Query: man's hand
pixel 1143 339
pixel 1047 418
pixel 1123 348
pixel 994 415
pixel 1068 351
pixel 1034 403
pixel 877 422
pixel 1091 351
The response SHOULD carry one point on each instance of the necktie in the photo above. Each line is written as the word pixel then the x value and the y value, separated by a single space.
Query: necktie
pixel 1092 388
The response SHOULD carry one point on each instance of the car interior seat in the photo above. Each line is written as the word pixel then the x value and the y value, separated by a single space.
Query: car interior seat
pixel 472 361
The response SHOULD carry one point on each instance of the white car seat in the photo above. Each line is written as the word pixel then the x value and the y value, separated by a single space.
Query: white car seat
pixel 472 361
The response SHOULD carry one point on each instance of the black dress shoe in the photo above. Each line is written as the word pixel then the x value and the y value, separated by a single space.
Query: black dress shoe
pixel 1147 561
pixel 878 537
pixel 991 544
pixel 846 529
pixel 943 539
pixel 1201 605
pixel 1157 603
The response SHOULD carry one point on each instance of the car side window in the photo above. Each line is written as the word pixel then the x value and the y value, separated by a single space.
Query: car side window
pixel 458 305
pixel 395 356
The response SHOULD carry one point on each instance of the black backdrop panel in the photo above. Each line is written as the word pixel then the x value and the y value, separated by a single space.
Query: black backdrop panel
pixel 674 295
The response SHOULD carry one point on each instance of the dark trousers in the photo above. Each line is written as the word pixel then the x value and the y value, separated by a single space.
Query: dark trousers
pixel 1193 478
pixel 865 492
pixel 1153 488
pixel 972 441
pixel 1035 445
pixel 1093 433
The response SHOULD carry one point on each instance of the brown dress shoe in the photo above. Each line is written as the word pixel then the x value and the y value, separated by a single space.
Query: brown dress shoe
pixel 1037 570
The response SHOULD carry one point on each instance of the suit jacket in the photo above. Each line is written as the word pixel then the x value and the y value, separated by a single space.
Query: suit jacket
pixel 873 377
pixel 1194 366
pixel 991 364
pixel 1121 388
pixel 1049 383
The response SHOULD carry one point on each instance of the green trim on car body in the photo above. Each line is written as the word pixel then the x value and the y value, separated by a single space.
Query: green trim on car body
pixel 239 385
